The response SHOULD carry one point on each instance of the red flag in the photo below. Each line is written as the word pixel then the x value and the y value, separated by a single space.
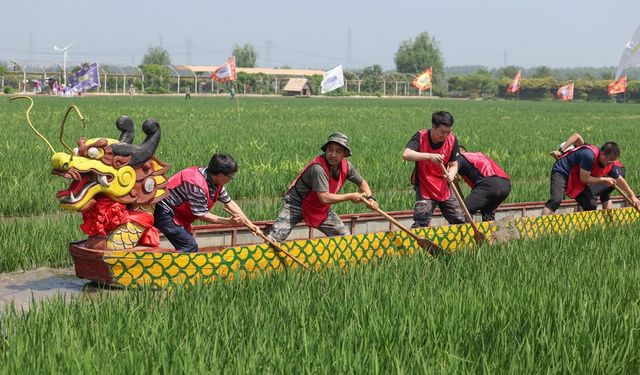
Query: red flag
pixel 515 84
pixel 225 72
pixel 566 92
pixel 617 87
pixel 423 80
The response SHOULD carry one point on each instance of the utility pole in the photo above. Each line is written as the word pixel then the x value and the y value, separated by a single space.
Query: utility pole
pixel 349 58
pixel 64 61
pixel 267 54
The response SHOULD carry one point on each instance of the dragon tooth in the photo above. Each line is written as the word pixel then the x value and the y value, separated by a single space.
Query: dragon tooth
pixel 102 180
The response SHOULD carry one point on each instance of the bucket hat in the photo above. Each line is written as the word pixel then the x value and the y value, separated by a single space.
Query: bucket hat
pixel 340 139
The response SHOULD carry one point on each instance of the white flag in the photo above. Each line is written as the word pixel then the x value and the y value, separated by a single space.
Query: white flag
pixel 332 79
pixel 630 55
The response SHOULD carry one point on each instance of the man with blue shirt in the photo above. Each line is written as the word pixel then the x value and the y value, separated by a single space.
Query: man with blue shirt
pixel 576 169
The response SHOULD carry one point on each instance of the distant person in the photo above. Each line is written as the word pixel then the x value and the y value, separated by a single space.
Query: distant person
pixel 316 188
pixel 600 190
pixel 430 148
pixel 132 91
pixel 232 93
pixel 579 168
pixel 187 93
pixel 490 184
pixel 192 192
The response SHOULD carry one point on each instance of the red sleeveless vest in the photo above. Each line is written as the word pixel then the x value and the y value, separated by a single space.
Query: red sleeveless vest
pixel 574 185
pixel 182 214
pixel 313 210
pixel 432 184
pixel 485 165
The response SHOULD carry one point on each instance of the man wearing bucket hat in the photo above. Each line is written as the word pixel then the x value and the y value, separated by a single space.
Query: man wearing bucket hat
pixel 312 193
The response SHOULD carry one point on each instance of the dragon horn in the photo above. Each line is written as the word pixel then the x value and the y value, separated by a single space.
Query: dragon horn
pixel 125 125
pixel 144 151
pixel 29 120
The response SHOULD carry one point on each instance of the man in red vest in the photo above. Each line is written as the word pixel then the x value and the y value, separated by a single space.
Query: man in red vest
pixel 601 190
pixel 430 148
pixel 192 192
pixel 490 184
pixel 312 193
pixel 580 167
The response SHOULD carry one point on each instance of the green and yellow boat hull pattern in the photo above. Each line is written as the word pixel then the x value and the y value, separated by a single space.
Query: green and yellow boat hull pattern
pixel 160 269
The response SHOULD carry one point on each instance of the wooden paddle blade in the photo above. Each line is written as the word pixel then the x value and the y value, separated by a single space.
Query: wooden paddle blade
pixel 479 237
pixel 431 247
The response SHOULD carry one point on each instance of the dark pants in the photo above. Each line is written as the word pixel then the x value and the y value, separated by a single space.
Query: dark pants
pixel 423 210
pixel 586 200
pixel 179 237
pixel 487 195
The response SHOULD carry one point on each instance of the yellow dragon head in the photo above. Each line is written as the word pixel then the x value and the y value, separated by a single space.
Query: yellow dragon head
pixel 124 172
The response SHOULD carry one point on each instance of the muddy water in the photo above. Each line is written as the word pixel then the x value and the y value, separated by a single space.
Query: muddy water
pixel 21 288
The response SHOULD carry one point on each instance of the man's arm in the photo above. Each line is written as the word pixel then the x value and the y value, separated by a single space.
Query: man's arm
pixel 452 170
pixel 586 178
pixel 330 198
pixel 624 186
pixel 238 215
pixel 214 219
pixel 411 155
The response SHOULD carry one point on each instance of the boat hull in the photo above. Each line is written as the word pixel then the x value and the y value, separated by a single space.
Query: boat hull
pixel 157 268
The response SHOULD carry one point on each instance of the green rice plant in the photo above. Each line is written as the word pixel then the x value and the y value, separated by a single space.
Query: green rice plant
pixel 38 241
pixel 273 138
pixel 553 305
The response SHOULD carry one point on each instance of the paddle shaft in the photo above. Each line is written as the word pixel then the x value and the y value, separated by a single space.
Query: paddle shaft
pixel 422 241
pixel 627 198
pixel 397 224
pixel 467 214
pixel 272 243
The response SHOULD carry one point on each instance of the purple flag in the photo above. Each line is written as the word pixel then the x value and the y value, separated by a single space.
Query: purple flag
pixel 85 79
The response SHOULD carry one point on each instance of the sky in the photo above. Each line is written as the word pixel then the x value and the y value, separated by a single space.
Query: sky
pixel 319 35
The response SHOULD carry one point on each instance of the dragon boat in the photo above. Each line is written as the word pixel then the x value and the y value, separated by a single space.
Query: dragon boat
pixel 159 268
pixel 115 184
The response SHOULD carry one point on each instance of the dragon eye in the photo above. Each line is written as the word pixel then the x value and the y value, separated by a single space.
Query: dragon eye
pixel 92 152
pixel 75 151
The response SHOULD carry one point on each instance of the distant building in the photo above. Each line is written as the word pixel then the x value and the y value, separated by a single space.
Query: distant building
pixel 298 86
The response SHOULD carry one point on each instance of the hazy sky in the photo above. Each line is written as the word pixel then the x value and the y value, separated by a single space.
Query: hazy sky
pixel 316 34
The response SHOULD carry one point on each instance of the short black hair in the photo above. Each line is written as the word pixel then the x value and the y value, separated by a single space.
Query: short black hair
pixel 442 118
pixel 222 163
pixel 610 149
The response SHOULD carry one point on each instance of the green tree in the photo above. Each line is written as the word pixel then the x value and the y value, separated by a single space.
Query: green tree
pixel 542 72
pixel 414 56
pixel 245 55
pixel 156 78
pixel 3 69
pixel 508 71
pixel 156 56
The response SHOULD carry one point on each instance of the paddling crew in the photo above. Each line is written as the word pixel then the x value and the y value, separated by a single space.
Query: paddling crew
pixel 576 169
pixel 490 184
pixel 312 193
pixel 601 190
pixel 192 192
pixel 428 148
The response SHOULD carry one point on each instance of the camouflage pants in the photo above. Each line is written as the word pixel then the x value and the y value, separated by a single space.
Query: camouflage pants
pixel 291 214
pixel 423 210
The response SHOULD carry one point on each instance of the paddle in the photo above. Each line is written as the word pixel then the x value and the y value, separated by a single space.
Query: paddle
pixel 627 198
pixel 270 241
pixel 426 244
pixel 477 235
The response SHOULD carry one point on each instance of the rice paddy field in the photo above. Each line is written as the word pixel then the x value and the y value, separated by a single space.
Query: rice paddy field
pixel 552 305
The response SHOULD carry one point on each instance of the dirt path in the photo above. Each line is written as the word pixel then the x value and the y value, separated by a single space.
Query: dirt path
pixel 21 288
